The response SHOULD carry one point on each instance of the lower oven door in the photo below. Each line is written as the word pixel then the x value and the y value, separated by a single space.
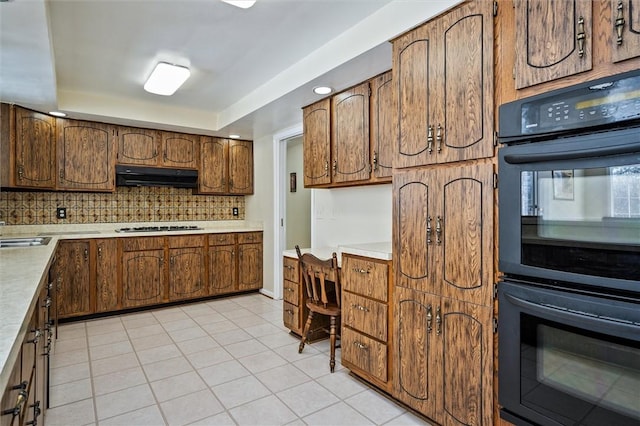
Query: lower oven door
pixel 567 358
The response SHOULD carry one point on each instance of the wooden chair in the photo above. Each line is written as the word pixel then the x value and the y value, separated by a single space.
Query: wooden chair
pixel 322 284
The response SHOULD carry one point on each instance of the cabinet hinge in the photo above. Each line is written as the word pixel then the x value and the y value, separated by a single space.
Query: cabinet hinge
pixel 495 325
pixel 495 8
pixel 495 138
pixel 495 291
pixel 495 181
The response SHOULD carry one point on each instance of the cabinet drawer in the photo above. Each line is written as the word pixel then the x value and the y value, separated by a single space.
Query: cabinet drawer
pixel 365 315
pixel 291 292
pixel 290 316
pixel 222 239
pixel 249 237
pixel 365 277
pixel 364 353
pixel 291 270
pixel 144 243
pixel 186 241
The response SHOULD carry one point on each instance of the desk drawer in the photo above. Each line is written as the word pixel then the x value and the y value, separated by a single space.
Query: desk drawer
pixel 290 269
pixel 365 277
pixel 291 292
pixel 365 315
pixel 364 353
pixel 222 239
pixel 290 316
pixel 249 237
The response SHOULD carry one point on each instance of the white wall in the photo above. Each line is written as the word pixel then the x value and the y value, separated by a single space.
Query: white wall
pixel 298 217
pixel 360 214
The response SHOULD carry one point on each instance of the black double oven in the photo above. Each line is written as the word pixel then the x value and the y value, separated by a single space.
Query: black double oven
pixel 569 298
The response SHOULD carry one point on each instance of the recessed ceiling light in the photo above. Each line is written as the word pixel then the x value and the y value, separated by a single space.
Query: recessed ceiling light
pixel 166 78
pixel 57 114
pixel 322 90
pixel 244 4
pixel 234 136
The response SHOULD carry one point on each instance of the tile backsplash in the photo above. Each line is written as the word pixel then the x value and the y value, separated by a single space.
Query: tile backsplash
pixel 127 204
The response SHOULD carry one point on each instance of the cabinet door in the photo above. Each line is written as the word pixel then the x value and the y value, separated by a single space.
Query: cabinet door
pixel 414 71
pixel 143 278
pixel 34 149
pixel 180 150
pixel 626 23
pixel 553 40
pixel 249 266
pixel 414 232
pixel 222 269
pixel 417 375
pixel 106 275
pixel 240 167
pixel 186 273
pixel 350 135
pixel 317 143
pixel 86 158
pixel 138 146
pixel 383 127
pixel 72 274
pixel 464 233
pixel 466 339
pixel 463 129
pixel 213 173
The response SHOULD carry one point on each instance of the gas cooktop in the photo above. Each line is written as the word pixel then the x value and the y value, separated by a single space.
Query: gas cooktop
pixel 160 228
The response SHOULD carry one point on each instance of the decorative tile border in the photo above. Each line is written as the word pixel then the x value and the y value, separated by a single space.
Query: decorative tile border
pixel 127 204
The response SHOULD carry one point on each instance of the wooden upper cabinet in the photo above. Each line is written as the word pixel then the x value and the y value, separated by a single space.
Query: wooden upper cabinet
pixel 443 72
pixel 226 166
pixel 350 135
pixel 138 146
pixel 554 39
pixel 625 17
pixel 240 167
pixel 86 155
pixel 443 241
pixel 180 150
pixel 383 126
pixel 35 139
pixel 317 143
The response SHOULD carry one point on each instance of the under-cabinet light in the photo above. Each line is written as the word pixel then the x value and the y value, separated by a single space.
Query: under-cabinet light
pixel 166 78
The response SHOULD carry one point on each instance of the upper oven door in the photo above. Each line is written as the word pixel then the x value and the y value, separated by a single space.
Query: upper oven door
pixel 570 209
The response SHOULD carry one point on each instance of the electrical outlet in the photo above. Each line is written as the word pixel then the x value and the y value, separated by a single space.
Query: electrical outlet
pixel 235 211
pixel 61 212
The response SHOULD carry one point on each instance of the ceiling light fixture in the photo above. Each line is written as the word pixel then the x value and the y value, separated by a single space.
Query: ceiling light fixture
pixel 322 90
pixel 166 78
pixel 244 4
pixel 57 114
pixel 234 136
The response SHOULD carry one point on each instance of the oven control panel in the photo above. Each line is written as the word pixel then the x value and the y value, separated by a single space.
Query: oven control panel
pixel 605 101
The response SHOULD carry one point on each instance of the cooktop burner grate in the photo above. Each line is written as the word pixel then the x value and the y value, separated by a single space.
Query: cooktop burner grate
pixel 160 228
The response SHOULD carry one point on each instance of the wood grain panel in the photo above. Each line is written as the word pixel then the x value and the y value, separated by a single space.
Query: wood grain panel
pixel 186 273
pixel 365 315
pixel 34 149
pixel 143 278
pixel 138 146
pixel 142 243
pixel 177 241
pixel 364 353
pixel 350 134
pixel 221 239
pixel 291 269
pixel 626 45
pixel 365 276
pixel 72 272
pixel 249 237
pixel 249 266
pixel 291 292
pixel 291 317
pixel 106 275
pixel 180 150
pixel 214 160
pixel 222 269
pixel 548 31
pixel 317 143
pixel 240 167
pixel 383 125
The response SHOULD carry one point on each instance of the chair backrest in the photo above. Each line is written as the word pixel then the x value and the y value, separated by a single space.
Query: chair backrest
pixel 321 278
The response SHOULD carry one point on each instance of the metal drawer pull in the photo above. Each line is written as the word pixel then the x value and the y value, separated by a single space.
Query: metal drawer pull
pixel 289 267
pixel 360 307
pixel 289 311
pixel 361 271
pixel 289 289
pixel 361 346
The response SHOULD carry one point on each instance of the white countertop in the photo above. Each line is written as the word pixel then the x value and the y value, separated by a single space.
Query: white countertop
pixel 23 269
pixel 377 250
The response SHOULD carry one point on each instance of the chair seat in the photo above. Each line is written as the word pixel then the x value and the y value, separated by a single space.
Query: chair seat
pixel 331 310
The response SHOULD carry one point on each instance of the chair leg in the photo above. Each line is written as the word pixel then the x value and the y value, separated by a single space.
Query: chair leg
pixel 307 326
pixel 332 331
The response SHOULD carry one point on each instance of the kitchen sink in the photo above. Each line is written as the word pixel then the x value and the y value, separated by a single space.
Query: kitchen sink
pixel 24 242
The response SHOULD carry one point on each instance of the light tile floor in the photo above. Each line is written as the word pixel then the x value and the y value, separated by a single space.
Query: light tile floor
pixel 222 362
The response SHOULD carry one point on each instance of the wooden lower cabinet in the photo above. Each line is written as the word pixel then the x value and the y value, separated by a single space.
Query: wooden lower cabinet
pixel 143 272
pixel 250 266
pixel 443 357
pixel 72 279
pixel 106 280
pixel 291 295
pixel 222 271
pixel 366 315
pixel 187 267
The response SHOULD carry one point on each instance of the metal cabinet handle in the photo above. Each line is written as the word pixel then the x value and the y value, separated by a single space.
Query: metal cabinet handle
pixel 289 311
pixel 86 254
pixel 619 23
pixel 439 138
pixel 47 303
pixel 289 289
pixel 430 139
pixel 20 172
pixel 99 251
pixel 360 307
pixel 360 345
pixel 580 37
pixel 438 321
pixel 36 336
pixel 335 167
pixel 429 319
pixel 20 399
pixel 326 166
pixel 375 160
pixel 429 231
pixel 289 267
pixel 360 270
pixel 439 230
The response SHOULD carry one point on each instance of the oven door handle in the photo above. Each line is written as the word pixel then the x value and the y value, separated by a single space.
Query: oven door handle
pixel 572 155
pixel 624 329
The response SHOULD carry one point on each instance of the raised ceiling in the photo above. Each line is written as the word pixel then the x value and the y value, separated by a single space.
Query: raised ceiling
pixel 251 69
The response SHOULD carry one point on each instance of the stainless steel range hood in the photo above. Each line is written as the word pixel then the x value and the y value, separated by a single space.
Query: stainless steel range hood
pixel 154 176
